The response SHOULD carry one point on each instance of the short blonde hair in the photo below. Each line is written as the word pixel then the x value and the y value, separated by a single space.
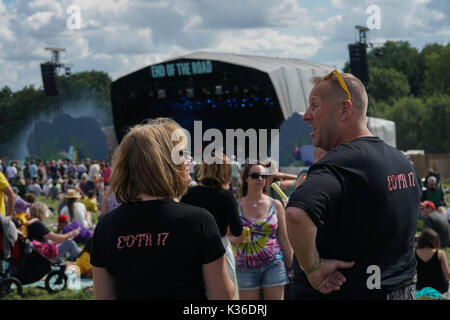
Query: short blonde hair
pixel 143 163
pixel 354 85
pixel 38 210
pixel 217 174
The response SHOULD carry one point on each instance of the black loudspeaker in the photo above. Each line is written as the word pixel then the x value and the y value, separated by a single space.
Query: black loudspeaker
pixel 48 71
pixel 358 61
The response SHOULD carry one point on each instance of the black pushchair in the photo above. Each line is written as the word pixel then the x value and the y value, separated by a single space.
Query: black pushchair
pixel 24 265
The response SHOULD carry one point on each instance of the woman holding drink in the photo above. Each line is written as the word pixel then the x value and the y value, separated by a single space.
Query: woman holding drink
pixel 263 253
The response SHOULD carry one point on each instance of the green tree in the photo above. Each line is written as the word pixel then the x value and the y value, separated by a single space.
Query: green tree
pixel 437 71
pixel 387 84
pixel 407 113
pixel 93 84
pixel 436 120
pixel 400 56
pixel 17 107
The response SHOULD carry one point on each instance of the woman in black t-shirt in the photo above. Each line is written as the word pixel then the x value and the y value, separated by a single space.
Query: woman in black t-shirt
pixel 39 232
pixel 432 267
pixel 212 194
pixel 151 247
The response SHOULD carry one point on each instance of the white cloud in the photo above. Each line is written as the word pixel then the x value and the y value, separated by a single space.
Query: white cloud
pixel 120 36
pixel 288 13
pixel 39 19
pixel 267 42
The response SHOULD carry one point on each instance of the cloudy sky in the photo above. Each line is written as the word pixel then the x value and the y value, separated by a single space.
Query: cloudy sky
pixel 121 36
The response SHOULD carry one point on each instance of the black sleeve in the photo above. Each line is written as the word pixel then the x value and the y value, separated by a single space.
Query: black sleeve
pixel 320 191
pixel 233 215
pixel 211 241
pixel 98 250
pixel 187 197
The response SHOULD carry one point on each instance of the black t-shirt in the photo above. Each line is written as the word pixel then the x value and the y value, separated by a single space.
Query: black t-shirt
pixel 156 249
pixel 221 203
pixel 363 197
pixel 37 231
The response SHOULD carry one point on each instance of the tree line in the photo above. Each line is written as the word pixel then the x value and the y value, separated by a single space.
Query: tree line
pixel 412 88
pixel 17 108
pixel 407 86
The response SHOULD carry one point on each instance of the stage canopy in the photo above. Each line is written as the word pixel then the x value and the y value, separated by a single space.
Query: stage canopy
pixel 289 77
pixel 223 91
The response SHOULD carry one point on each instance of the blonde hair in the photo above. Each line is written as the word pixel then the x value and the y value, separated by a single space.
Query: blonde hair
pixel 38 210
pixel 217 174
pixel 143 162
pixel 354 85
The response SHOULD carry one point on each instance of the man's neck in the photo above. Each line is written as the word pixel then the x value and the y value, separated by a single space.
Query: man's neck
pixel 352 133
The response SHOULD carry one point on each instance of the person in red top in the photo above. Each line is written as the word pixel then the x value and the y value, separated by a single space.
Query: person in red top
pixel 107 174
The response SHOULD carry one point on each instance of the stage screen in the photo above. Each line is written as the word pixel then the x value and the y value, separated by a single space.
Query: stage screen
pixel 221 95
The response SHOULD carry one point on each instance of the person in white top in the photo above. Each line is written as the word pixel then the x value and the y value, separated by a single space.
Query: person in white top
pixel 76 210
pixel 11 171
pixel 94 171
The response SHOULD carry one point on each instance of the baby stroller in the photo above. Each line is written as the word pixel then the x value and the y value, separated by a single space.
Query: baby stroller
pixel 22 264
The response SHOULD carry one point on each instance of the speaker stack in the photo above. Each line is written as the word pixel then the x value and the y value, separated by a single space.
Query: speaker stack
pixel 49 78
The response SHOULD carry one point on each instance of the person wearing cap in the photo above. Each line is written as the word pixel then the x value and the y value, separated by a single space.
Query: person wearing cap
pixel 435 221
pixel 76 210
pixel 65 226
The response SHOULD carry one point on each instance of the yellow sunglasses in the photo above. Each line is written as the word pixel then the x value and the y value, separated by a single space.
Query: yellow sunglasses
pixel 341 82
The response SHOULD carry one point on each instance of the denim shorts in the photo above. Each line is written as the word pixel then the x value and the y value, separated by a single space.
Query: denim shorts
pixel 272 275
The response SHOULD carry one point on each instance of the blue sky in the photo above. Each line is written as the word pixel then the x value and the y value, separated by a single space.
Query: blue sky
pixel 120 36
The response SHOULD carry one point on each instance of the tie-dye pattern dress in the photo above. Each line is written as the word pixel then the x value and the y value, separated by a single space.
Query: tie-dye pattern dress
pixel 264 246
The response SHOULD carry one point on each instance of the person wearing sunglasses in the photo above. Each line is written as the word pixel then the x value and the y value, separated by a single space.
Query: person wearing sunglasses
pixel 353 220
pixel 264 255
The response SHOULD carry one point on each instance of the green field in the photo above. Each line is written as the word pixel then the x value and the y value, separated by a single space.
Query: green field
pixel 36 293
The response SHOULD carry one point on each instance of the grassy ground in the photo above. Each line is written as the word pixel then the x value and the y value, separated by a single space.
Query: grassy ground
pixel 42 294
pixel 36 293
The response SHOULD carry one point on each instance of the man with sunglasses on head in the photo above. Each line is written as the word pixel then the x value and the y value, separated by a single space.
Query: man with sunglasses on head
pixel 353 220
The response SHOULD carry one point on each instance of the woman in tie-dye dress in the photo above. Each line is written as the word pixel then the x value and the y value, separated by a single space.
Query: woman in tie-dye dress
pixel 264 257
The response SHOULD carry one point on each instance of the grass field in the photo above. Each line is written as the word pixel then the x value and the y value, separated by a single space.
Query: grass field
pixel 36 293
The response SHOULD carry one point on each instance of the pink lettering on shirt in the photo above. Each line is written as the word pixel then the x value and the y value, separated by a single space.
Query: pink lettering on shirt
pixel 399 181
pixel 118 242
pixel 141 240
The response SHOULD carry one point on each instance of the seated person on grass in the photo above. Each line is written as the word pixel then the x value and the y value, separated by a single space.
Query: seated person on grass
pixel 65 226
pixel 38 231
pixel 84 260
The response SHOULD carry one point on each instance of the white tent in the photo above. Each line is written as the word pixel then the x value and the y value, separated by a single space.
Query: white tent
pixel 290 79
pixel 385 129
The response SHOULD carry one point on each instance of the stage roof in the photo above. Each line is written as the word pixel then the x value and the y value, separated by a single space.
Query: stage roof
pixel 290 77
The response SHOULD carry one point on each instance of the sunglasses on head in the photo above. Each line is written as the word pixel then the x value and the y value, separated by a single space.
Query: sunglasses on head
pixel 341 82
pixel 255 175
